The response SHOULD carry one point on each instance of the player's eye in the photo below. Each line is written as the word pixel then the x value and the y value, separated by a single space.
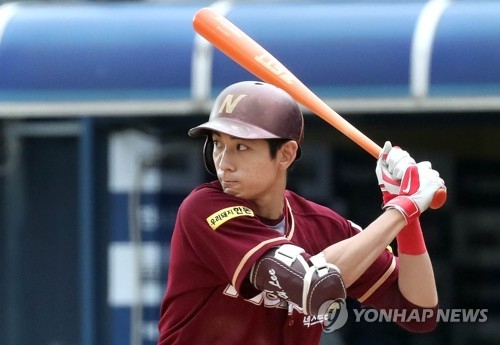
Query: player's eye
pixel 241 147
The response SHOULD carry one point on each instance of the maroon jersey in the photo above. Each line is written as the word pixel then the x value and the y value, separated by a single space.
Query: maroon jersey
pixel 216 240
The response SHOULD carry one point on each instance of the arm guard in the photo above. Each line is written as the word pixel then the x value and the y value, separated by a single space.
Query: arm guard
pixel 284 271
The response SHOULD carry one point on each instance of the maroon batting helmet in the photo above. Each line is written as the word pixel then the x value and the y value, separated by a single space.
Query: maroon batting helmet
pixel 252 110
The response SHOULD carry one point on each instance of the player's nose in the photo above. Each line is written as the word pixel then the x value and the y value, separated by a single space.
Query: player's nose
pixel 224 161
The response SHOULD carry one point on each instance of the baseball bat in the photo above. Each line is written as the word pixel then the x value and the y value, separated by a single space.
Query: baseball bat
pixel 240 47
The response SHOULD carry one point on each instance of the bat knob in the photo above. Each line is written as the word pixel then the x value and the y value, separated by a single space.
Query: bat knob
pixel 439 199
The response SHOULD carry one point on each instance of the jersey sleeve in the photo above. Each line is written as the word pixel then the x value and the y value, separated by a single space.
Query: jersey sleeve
pixel 381 274
pixel 388 296
pixel 224 236
pixel 378 288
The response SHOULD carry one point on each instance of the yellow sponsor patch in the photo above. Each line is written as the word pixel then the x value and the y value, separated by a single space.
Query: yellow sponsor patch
pixel 220 217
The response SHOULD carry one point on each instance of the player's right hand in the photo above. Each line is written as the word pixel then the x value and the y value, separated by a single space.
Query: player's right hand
pixel 418 186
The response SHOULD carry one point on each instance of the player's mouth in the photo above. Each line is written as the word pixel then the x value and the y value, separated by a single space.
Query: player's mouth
pixel 228 183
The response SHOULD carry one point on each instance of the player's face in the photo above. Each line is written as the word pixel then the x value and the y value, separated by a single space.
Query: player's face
pixel 245 167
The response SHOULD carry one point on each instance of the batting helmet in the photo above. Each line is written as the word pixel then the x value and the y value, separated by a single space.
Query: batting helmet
pixel 251 110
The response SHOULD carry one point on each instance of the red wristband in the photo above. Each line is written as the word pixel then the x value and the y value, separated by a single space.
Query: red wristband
pixel 410 240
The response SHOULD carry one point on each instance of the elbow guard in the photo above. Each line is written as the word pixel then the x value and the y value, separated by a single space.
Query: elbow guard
pixel 285 272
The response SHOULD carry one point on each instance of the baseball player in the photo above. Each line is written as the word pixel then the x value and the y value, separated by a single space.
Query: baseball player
pixel 254 263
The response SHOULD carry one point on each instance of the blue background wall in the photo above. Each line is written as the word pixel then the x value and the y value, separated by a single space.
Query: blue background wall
pixel 74 77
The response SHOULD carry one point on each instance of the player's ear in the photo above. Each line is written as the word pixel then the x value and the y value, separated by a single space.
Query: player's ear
pixel 288 153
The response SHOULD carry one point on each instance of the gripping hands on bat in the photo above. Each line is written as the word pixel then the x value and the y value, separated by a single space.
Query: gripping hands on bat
pixel 249 54
pixel 406 186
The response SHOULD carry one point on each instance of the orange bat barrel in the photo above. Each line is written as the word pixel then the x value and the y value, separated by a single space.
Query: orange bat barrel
pixel 240 47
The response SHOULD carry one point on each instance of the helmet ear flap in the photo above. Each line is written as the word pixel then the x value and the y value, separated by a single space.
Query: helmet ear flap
pixel 208 158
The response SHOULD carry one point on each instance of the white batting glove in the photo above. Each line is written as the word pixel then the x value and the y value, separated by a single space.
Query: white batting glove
pixel 419 184
pixel 398 161
pixel 391 166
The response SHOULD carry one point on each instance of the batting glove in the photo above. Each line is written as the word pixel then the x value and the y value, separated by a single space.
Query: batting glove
pixel 418 186
pixel 392 165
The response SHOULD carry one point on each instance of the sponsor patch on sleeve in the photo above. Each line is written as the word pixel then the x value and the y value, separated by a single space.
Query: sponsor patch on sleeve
pixel 220 217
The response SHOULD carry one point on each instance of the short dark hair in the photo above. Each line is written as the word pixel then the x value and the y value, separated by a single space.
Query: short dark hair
pixel 275 145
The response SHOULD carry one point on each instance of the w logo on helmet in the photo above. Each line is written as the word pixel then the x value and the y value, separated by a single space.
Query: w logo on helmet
pixel 228 105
